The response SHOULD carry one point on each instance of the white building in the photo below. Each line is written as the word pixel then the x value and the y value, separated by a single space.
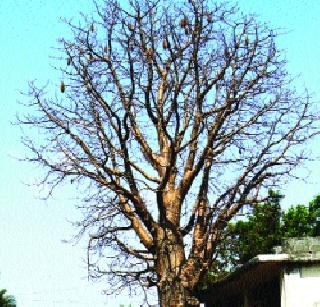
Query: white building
pixel 290 278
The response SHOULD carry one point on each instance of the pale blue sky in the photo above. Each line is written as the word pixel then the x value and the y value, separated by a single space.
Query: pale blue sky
pixel 35 265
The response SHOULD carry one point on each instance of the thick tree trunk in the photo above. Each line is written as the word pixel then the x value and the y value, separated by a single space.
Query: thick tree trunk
pixel 173 288
pixel 175 295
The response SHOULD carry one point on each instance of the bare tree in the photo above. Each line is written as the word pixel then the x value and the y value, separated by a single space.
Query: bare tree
pixel 172 116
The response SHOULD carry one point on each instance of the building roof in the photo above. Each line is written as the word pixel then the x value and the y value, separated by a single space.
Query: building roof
pixel 268 267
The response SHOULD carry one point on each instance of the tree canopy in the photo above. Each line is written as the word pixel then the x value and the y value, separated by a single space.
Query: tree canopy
pixel 302 220
pixel 6 300
pixel 171 116
pixel 264 227
pixel 257 232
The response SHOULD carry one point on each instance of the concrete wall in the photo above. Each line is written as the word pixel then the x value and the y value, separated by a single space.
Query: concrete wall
pixel 301 287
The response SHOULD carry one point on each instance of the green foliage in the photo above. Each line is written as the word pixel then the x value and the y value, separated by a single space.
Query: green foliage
pixel 302 221
pixel 264 228
pixel 261 232
pixel 296 222
pixel 6 300
pixel 245 239
pixel 314 214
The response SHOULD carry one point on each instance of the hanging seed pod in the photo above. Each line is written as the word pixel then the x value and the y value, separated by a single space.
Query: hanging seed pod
pixel 246 41
pixel 92 27
pixel 165 44
pixel 68 61
pixel 67 130
pixel 149 52
pixel 183 23
pixel 62 87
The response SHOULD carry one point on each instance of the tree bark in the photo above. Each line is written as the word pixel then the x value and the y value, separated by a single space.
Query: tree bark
pixel 173 288
pixel 176 295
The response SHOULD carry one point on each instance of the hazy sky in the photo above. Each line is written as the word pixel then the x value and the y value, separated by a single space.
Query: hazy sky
pixel 35 265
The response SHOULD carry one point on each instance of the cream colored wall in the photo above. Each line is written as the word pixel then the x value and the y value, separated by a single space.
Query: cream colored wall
pixel 299 289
